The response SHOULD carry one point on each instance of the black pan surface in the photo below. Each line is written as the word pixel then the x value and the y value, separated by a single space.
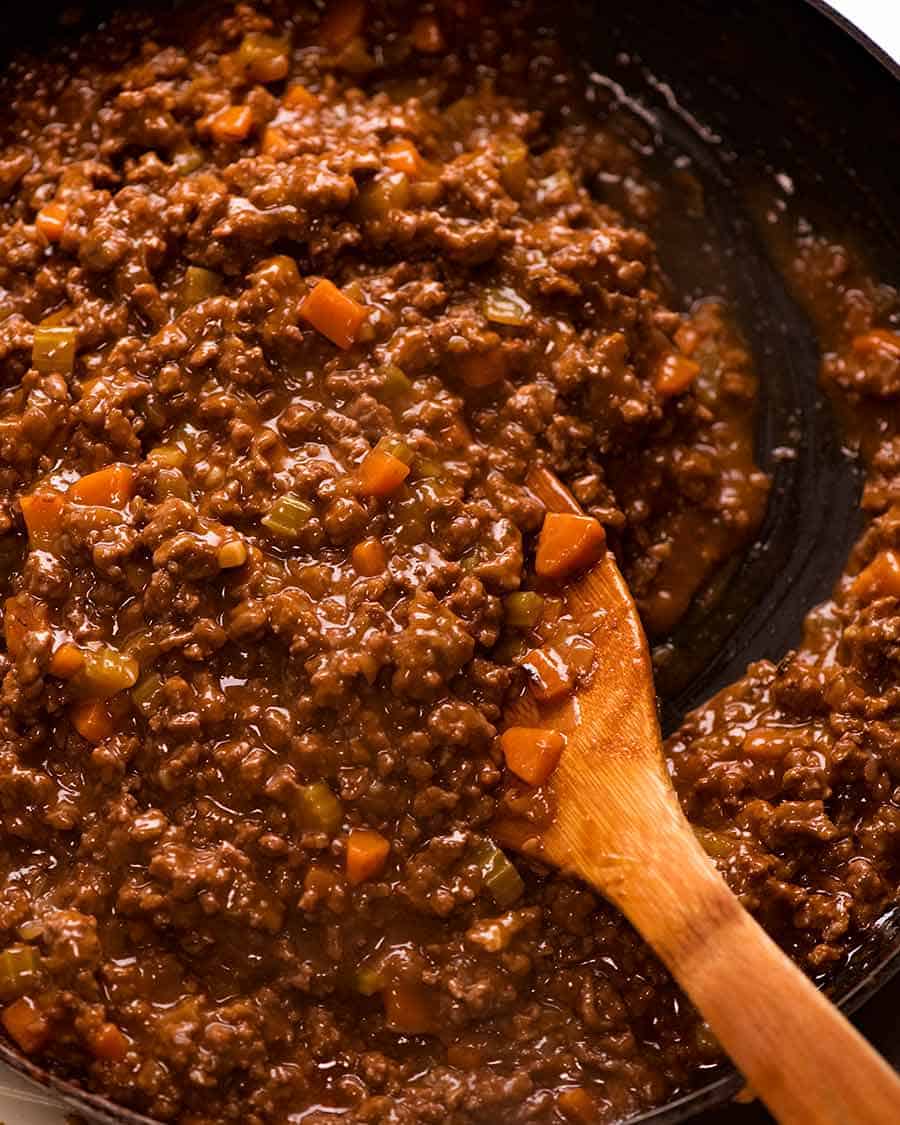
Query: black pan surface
pixel 784 102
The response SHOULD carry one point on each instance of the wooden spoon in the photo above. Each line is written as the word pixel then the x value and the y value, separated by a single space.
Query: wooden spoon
pixel 619 826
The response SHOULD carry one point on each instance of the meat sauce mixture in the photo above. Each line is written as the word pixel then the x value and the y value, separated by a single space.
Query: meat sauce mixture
pixel 292 303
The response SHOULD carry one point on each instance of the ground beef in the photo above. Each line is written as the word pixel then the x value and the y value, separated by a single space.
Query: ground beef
pixel 228 659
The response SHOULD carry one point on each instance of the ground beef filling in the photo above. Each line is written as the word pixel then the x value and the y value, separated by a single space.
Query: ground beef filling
pixel 290 304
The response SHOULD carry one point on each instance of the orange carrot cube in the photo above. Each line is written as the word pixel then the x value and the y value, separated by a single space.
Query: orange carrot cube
pixel 878 342
pixel 384 468
pixel 232 123
pixel 109 1043
pixel 51 221
pixel 674 374
pixel 568 543
pixel 111 487
pixel 369 558
pixel 275 143
pixel 551 677
pixel 576 1104
pixel 93 720
pixel 403 156
pixel 532 753
pixel 881 578
pixel 26 1024
pixel 67 661
pixel 367 852
pixel 333 313
pixel 42 512
pixel 298 97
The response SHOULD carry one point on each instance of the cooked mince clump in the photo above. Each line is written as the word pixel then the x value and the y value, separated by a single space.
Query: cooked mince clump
pixel 291 302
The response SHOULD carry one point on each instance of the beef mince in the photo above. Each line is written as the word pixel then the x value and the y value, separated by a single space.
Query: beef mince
pixel 291 302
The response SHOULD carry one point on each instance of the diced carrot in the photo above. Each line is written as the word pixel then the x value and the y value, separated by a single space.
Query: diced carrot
pixel 111 487
pixel 403 156
pixel 369 558
pixel 42 512
pixel 93 720
pixel 51 221
pixel 333 313
pixel 232 123
pixel 674 374
pixel 67 661
pixel 26 1024
pixel 343 21
pixel 22 614
pixel 109 1043
pixel 531 753
pixel 367 852
pixel 881 578
pixel 577 1105
pixel 483 369
pixel 878 341
pixel 568 543
pixel 687 338
pixel 275 143
pixel 382 471
pixel 298 97
pixel 427 36
pixel 409 1008
pixel 551 677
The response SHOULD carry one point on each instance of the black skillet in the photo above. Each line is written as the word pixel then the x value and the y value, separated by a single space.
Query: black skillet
pixel 751 91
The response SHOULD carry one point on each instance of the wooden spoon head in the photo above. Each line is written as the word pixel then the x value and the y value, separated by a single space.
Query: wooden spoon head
pixel 610 722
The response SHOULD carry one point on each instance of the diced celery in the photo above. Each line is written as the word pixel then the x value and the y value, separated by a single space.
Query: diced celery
pixel 54 350
pixel 186 159
pixel 197 285
pixel 505 306
pixel 280 271
pixel 386 193
pixel 146 692
pixel 396 448
pixel 18 964
pixel 107 671
pixel 427 467
pixel 169 455
pixel 320 810
pixel 288 516
pixel 394 383
pixel 501 878
pixel 514 167
pixel 523 609
pixel 369 980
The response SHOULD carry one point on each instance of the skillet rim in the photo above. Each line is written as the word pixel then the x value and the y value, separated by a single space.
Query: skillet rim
pixel 721 1090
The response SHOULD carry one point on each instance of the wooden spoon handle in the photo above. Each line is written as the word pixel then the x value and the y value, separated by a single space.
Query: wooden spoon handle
pixel 800 1055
